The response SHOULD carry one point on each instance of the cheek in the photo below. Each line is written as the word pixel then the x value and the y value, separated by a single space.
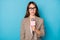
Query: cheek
pixel 29 10
pixel 35 11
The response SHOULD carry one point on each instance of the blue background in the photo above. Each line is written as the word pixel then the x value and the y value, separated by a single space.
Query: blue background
pixel 12 12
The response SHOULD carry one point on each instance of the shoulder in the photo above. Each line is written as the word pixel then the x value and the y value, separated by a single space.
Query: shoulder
pixel 40 19
pixel 24 20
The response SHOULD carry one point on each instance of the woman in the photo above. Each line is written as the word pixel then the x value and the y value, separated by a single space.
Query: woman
pixel 36 30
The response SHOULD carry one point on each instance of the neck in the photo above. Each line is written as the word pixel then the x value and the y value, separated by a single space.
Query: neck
pixel 32 16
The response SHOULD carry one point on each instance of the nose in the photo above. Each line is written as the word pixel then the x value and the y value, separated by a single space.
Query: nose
pixel 32 9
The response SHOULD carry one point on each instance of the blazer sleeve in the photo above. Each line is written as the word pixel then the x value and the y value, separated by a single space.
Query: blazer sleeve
pixel 22 31
pixel 41 29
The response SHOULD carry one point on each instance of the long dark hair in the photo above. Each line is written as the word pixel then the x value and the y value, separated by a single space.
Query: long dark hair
pixel 27 11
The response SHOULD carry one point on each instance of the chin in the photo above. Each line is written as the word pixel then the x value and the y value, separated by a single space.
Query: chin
pixel 32 15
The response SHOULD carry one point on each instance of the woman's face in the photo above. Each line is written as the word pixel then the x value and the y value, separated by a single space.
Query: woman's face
pixel 32 9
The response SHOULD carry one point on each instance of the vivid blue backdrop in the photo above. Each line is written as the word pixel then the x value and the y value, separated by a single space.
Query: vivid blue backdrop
pixel 12 12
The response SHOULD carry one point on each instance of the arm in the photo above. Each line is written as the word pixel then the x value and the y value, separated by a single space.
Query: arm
pixel 40 32
pixel 22 32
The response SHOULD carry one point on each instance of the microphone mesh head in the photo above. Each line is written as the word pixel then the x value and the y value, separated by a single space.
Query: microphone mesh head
pixel 32 19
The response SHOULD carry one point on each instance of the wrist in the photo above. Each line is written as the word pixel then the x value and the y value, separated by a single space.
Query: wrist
pixel 35 30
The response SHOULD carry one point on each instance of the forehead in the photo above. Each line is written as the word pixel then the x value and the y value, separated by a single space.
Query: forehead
pixel 31 5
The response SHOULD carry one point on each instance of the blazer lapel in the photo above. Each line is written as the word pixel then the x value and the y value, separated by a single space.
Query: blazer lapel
pixel 28 20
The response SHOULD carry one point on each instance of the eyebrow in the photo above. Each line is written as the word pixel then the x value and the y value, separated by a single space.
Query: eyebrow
pixel 32 7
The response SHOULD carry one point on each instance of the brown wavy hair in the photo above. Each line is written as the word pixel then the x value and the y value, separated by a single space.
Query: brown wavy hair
pixel 27 11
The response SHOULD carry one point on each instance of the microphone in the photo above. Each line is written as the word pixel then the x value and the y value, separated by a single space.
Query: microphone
pixel 32 24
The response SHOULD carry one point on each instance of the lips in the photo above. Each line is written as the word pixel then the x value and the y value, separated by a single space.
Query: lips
pixel 32 12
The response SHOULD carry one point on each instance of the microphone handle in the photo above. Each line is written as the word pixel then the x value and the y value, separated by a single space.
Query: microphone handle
pixel 33 33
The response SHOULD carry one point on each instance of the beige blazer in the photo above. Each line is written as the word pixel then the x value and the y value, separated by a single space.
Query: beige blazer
pixel 25 29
